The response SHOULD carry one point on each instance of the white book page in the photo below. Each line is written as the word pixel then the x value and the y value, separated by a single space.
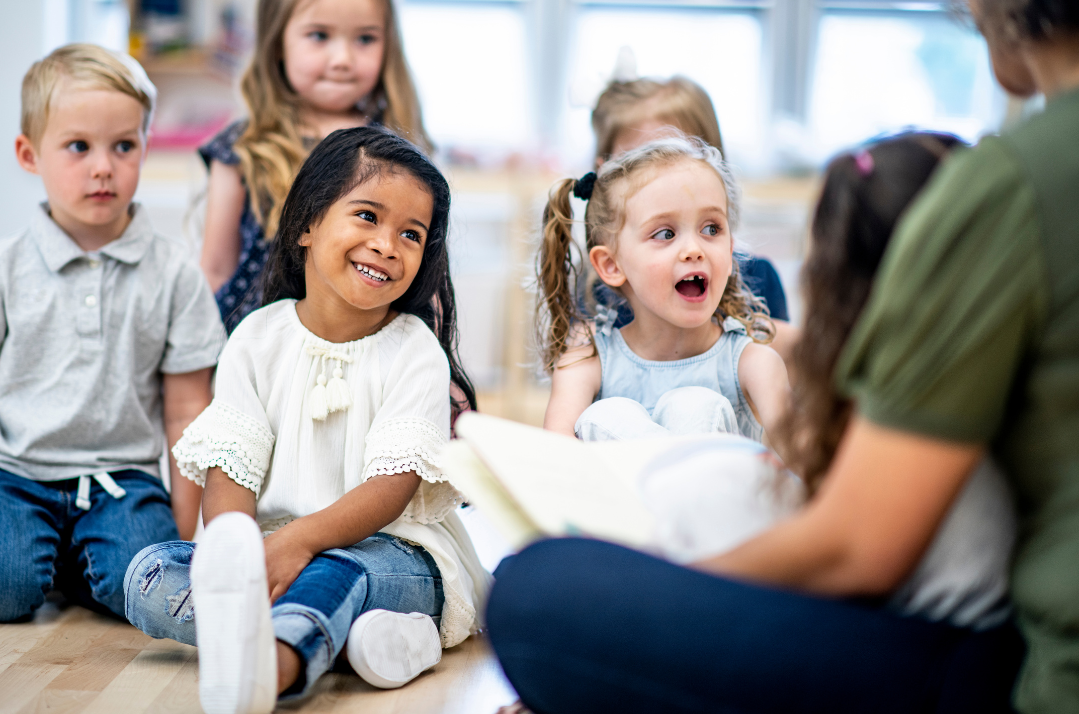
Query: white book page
pixel 470 476
pixel 566 487
pixel 680 497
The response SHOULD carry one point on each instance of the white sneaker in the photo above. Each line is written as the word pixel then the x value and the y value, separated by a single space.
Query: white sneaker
pixel 389 649
pixel 237 647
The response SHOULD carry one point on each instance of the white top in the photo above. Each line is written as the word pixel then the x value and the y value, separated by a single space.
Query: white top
pixel 963 576
pixel 384 407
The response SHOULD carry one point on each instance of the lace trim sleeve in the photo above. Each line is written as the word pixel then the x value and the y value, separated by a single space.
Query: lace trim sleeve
pixel 400 445
pixel 225 437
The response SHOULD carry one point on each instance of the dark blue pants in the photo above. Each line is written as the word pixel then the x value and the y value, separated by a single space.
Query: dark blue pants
pixel 586 626
pixel 49 543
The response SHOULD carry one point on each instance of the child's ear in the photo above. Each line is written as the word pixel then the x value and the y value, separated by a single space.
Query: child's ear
pixel 606 266
pixel 25 153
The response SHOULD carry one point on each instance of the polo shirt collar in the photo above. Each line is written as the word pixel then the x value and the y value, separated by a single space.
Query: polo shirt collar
pixel 58 249
pixel 55 245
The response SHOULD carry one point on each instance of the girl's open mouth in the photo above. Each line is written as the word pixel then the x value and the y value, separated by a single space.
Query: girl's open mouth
pixel 693 287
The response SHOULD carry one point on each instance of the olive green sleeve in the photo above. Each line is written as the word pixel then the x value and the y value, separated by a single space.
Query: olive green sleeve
pixel 959 297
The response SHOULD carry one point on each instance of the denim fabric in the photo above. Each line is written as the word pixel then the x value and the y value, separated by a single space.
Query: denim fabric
pixel 49 542
pixel 314 615
pixel 679 412
pixel 627 374
pixel 586 626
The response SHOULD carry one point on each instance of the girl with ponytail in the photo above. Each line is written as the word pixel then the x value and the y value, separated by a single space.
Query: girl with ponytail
pixel 695 358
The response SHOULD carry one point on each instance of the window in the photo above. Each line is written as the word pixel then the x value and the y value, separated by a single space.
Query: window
pixel 879 72
pixel 719 49
pixel 470 64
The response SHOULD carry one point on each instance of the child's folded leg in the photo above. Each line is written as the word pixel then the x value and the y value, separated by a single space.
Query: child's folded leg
pixel 314 616
pixel 382 572
pixel 28 558
pixel 695 410
pixel 105 538
pixel 158 591
pixel 616 419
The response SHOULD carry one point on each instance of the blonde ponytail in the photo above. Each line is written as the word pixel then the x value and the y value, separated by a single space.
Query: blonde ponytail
pixel 558 270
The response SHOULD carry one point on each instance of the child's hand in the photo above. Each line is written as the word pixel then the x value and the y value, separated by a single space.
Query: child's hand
pixel 286 557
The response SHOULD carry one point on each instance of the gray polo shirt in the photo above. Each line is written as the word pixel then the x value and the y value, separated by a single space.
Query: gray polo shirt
pixel 84 341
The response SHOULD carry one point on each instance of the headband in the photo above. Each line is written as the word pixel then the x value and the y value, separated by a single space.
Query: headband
pixel 582 187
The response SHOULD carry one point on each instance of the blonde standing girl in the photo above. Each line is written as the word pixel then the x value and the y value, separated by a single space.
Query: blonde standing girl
pixel 319 65
pixel 695 358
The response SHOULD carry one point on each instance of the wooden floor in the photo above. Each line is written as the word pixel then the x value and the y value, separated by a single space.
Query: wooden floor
pixel 71 660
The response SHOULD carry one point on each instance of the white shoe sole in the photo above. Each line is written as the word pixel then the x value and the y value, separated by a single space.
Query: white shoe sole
pixel 389 649
pixel 237 648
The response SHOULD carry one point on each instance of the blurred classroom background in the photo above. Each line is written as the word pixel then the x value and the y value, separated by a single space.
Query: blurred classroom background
pixel 507 88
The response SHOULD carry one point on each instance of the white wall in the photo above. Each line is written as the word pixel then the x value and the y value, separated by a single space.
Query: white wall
pixel 22 37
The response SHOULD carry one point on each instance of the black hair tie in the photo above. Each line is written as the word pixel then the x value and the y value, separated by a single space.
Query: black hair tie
pixel 582 189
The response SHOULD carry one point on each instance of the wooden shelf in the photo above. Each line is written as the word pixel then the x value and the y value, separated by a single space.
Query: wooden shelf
pixel 196 62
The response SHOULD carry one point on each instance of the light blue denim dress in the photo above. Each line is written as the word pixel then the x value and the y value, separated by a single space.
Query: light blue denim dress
pixel 627 375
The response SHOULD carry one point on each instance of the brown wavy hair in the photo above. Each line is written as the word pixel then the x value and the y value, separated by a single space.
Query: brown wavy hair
pixel 271 149
pixel 559 263
pixel 864 196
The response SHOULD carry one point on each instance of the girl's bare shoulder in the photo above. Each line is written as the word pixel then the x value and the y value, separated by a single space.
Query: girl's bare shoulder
pixel 580 346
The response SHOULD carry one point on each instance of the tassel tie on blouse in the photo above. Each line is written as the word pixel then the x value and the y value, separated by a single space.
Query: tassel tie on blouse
pixel 335 395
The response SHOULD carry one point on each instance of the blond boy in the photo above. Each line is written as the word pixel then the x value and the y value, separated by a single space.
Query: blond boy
pixel 108 337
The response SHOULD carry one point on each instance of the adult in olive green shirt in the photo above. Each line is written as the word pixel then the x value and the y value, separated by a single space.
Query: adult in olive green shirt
pixel 970 343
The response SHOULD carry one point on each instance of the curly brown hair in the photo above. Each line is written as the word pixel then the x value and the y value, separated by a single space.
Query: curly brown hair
pixel 559 261
pixel 863 198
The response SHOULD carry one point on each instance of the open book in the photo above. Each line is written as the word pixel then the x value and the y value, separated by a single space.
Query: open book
pixel 682 497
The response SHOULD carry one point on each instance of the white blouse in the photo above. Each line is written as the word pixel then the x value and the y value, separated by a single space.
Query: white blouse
pixel 301 421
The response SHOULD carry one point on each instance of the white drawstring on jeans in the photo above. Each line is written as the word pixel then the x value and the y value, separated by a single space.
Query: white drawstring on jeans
pixel 82 498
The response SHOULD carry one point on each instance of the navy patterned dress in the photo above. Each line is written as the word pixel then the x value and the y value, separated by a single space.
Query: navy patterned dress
pixel 240 294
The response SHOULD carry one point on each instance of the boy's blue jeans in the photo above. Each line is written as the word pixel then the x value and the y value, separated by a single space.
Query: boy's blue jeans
pixel 50 543
pixel 314 615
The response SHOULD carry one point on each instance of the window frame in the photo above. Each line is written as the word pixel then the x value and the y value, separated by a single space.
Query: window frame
pixel 790 30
